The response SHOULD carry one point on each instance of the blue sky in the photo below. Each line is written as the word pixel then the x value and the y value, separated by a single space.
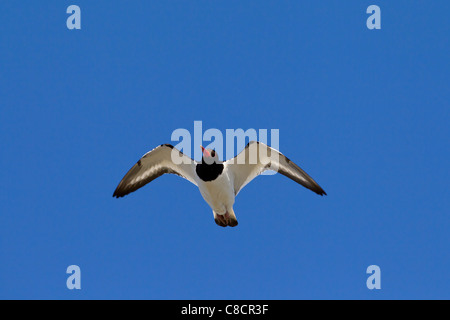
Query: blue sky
pixel 364 112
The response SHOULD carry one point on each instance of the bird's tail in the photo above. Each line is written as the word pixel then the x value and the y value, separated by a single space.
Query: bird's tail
pixel 227 219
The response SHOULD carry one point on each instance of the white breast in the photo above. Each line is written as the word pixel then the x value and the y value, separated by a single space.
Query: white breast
pixel 219 193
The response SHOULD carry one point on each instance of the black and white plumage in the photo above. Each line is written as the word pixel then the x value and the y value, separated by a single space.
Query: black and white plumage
pixel 219 182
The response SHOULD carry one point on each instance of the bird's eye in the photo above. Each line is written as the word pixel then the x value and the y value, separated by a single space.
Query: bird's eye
pixel 213 153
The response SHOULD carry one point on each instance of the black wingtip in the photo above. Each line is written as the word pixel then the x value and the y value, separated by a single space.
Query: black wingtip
pixel 320 192
pixel 117 195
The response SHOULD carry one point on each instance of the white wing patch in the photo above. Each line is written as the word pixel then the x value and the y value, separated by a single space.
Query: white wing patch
pixel 257 158
pixel 154 164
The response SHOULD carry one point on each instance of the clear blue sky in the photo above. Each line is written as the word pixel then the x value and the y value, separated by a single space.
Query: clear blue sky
pixel 365 113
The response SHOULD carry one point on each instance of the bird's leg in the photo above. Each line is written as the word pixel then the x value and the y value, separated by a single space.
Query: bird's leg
pixel 226 217
pixel 221 218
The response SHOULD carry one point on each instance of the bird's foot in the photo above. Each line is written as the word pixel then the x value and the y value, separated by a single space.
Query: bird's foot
pixel 226 219
pixel 223 219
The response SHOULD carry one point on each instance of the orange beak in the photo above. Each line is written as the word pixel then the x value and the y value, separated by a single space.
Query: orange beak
pixel 205 152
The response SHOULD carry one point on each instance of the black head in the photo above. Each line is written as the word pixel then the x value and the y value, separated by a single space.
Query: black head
pixel 210 156
pixel 210 167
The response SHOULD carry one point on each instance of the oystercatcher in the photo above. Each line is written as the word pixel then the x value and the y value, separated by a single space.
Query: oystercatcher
pixel 219 182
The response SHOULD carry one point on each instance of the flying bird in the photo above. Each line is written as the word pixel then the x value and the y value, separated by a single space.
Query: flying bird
pixel 219 182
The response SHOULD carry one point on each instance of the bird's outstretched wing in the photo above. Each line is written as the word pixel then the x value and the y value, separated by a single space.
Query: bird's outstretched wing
pixel 257 158
pixel 163 159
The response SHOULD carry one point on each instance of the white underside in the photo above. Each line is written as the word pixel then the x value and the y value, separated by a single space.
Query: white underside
pixel 219 193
